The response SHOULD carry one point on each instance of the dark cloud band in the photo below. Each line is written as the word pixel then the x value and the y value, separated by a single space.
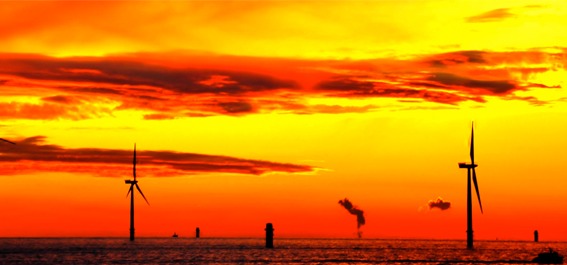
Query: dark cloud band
pixel 89 87
pixel 56 158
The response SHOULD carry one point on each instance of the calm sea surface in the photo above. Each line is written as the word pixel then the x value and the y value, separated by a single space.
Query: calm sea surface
pixel 252 251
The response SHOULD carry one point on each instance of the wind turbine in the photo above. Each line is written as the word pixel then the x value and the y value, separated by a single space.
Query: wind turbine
pixel 131 193
pixel 470 167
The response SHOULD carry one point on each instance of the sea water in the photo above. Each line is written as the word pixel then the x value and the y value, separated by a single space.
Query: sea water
pixel 251 251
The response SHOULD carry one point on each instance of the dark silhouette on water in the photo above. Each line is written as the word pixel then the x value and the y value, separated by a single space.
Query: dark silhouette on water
pixel 439 204
pixel 536 236
pixel 175 235
pixel 7 141
pixel 269 235
pixel 360 220
pixel 471 167
pixel 131 193
pixel 197 232
pixel 548 257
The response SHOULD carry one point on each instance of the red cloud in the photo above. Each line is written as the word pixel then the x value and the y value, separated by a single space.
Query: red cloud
pixel 170 86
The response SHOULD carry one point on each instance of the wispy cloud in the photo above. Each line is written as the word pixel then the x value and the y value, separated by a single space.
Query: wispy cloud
pixel 492 15
pixel 33 154
pixel 500 14
pixel 51 109
pixel 453 81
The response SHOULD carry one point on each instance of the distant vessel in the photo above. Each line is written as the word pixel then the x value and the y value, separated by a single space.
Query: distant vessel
pixel 548 257
pixel 174 235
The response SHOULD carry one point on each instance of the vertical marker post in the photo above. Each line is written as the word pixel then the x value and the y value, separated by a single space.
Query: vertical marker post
pixel 269 235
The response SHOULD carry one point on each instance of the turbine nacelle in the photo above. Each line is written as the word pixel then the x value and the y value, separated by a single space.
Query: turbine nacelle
pixel 465 165
pixel 131 182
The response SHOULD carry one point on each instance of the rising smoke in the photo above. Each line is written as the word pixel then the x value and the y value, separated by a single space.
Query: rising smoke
pixel 355 211
pixel 439 204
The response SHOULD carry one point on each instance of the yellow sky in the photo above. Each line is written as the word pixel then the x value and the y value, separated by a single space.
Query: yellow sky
pixel 314 29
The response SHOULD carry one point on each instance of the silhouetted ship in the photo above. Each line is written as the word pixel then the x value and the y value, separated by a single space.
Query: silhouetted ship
pixel 548 257
pixel 174 235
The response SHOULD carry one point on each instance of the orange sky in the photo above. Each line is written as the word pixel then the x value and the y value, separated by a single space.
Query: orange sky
pixel 247 112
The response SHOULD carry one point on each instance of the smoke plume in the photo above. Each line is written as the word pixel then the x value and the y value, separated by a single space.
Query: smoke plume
pixel 354 211
pixel 439 203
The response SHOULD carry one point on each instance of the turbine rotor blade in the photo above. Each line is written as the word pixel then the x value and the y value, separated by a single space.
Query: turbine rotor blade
pixel 476 188
pixel 129 190
pixel 7 141
pixel 134 163
pixel 472 145
pixel 138 187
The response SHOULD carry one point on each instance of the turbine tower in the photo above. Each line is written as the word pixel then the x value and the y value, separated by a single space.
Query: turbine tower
pixel 471 167
pixel 131 193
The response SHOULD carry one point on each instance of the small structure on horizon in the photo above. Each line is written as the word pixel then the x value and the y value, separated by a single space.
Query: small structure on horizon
pixel 175 235
pixel 197 232
pixel 269 235
pixel 536 236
